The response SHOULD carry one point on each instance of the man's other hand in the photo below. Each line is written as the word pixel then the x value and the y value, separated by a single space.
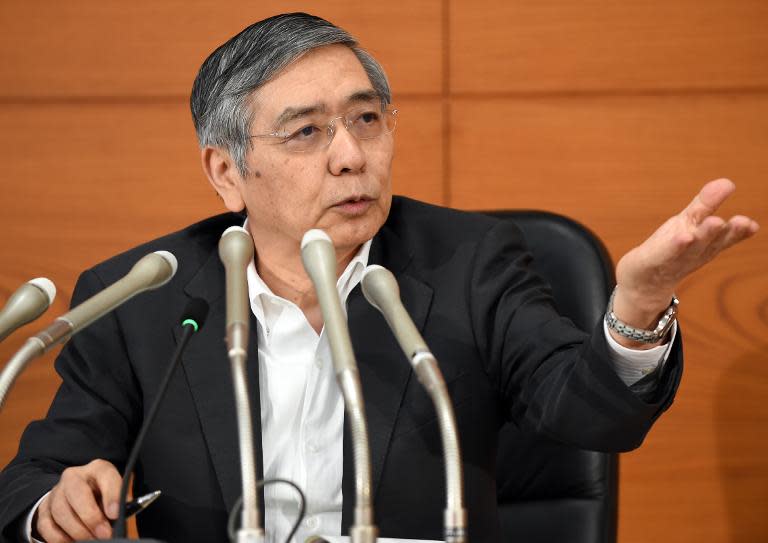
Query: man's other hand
pixel 81 505
pixel 648 275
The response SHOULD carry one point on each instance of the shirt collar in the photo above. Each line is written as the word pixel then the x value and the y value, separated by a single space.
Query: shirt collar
pixel 259 292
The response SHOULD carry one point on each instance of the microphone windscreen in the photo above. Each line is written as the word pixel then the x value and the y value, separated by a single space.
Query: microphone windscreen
pixel 196 310
pixel 47 286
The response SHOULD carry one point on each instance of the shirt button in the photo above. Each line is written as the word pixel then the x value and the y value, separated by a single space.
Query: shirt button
pixel 311 523
pixel 318 362
pixel 313 448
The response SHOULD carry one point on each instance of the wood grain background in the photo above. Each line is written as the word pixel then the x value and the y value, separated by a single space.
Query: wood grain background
pixel 611 112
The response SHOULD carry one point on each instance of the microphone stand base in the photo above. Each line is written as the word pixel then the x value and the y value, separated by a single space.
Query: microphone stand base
pixel 363 534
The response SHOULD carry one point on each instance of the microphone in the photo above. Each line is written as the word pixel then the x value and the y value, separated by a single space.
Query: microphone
pixel 26 304
pixel 382 292
pixel 192 319
pixel 150 272
pixel 236 252
pixel 319 258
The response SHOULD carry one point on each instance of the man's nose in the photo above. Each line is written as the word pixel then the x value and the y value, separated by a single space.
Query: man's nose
pixel 345 154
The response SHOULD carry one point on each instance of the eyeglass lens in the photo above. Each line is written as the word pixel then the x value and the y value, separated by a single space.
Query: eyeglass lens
pixel 363 124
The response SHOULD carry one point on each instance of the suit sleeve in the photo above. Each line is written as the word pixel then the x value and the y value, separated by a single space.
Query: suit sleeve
pixel 94 414
pixel 551 376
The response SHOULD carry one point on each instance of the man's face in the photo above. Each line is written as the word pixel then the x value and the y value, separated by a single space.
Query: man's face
pixel 343 188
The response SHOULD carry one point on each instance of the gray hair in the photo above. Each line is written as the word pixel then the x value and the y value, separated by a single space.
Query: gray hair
pixel 219 100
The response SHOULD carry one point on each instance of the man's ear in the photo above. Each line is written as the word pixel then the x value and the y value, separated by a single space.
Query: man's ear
pixel 224 176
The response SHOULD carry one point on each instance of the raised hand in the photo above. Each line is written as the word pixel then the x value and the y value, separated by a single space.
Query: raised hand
pixel 648 274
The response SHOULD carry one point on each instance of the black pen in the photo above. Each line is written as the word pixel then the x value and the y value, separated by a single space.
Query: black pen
pixel 138 505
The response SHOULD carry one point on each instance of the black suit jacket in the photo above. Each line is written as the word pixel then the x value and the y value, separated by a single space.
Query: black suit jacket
pixel 464 278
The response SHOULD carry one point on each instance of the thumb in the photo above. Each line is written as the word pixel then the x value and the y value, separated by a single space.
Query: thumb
pixel 108 481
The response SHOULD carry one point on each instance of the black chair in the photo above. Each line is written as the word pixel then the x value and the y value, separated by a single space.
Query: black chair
pixel 549 492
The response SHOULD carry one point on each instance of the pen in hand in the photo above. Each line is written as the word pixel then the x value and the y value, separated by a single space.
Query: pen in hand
pixel 138 505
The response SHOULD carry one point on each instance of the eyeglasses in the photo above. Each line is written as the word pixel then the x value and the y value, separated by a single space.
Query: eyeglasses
pixel 306 136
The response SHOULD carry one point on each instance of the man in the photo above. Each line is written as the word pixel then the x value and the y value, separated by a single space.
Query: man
pixel 296 130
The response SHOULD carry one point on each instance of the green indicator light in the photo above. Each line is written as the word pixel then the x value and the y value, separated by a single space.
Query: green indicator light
pixel 192 322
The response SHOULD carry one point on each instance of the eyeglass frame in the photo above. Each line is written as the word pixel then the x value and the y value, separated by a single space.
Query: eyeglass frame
pixel 330 129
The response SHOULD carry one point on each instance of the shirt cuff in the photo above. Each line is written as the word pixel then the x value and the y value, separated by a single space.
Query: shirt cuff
pixel 27 534
pixel 631 365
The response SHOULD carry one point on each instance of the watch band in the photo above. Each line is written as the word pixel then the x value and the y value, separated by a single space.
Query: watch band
pixel 638 334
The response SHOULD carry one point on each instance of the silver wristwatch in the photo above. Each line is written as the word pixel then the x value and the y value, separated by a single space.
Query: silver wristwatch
pixel 638 334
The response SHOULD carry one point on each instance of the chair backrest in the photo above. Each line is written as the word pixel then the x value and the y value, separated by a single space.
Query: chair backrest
pixel 549 492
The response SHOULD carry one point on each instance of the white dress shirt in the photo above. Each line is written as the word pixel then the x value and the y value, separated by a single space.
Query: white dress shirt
pixel 302 409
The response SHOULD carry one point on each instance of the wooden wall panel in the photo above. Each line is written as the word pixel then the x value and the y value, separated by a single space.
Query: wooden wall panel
pixel 102 177
pixel 564 46
pixel 95 48
pixel 417 171
pixel 619 164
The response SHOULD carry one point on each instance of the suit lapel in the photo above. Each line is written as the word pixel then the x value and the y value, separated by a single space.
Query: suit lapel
pixel 209 376
pixel 384 370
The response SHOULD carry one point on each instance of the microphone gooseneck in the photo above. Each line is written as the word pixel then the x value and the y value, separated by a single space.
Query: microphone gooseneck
pixel 319 258
pixel 236 252
pixel 150 272
pixel 382 292
pixel 26 304
pixel 192 319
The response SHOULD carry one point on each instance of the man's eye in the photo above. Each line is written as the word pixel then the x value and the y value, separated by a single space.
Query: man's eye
pixel 368 117
pixel 305 132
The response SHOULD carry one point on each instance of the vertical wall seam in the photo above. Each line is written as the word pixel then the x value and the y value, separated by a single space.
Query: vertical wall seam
pixel 446 101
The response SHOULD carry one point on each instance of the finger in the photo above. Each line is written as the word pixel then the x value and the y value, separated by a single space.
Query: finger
pixel 709 198
pixel 50 532
pixel 735 230
pixel 688 243
pixel 47 530
pixel 710 228
pixel 713 245
pixel 751 226
pixel 107 482
pixel 739 229
pixel 67 519
pixel 82 500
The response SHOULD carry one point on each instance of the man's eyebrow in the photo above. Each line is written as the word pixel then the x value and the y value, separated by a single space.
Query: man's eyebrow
pixel 292 113
pixel 368 95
